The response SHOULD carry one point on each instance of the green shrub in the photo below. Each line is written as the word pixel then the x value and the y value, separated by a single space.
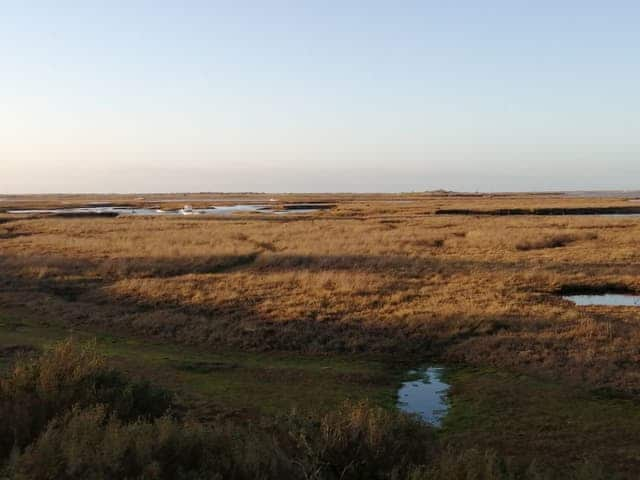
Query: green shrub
pixel 356 442
pixel 67 375
pixel 87 444
pixel 359 442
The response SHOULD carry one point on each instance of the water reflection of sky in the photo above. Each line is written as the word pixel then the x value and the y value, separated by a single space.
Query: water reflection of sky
pixel 425 396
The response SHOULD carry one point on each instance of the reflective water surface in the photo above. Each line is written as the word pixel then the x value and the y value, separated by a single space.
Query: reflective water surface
pixel 607 299
pixel 426 395
pixel 124 211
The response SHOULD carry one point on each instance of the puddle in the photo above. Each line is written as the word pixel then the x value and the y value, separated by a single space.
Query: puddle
pixel 426 395
pixel 607 299
pixel 187 210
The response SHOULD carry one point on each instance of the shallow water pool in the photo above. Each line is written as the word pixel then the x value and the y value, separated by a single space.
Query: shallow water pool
pixel 426 395
pixel 607 299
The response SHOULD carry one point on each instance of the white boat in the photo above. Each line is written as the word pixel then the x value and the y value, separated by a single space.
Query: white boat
pixel 187 210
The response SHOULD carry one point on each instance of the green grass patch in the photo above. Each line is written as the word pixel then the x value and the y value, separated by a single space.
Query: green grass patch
pixel 525 418
pixel 521 417
pixel 267 383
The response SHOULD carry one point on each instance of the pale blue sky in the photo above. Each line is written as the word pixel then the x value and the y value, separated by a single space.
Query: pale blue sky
pixel 318 95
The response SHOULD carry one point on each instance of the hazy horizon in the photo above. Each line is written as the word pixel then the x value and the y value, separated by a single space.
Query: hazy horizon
pixel 335 97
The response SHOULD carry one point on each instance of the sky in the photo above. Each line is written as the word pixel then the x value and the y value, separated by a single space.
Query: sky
pixel 319 96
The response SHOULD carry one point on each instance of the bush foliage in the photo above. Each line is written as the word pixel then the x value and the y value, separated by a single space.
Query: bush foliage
pixel 66 415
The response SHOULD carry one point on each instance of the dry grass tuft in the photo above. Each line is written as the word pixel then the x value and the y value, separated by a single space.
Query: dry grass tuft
pixel 553 241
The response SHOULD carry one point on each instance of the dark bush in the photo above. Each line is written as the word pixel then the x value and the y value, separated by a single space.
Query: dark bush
pixel 360 442
pixel 553 241
pixel 87 444
pixel 68 375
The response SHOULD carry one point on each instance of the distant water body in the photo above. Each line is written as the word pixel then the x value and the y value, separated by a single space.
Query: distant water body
pixel 129 211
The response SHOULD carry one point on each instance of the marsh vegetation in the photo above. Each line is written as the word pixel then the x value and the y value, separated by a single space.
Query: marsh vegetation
pixel 66 414
pixel 251 318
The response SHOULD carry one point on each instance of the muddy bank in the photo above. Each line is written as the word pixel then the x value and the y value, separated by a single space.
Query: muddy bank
pixel 543 211
pixel 598 289
pixel 307 206
pixel 62 214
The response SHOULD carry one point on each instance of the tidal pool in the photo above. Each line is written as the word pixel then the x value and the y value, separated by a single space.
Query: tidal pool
pixel 96 210
pixel 226 210
pixel 607 299
pixel 126 211
pixel 425 395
